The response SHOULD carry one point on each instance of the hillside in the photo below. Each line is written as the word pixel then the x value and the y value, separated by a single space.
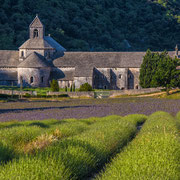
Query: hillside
pixel 94 25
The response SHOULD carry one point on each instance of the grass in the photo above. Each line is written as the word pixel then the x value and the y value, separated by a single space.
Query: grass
pixel 19 135
pixel 153 154
pixel 174 94
pixel 74 149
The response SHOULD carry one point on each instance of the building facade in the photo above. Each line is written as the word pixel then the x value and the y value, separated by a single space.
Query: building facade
pixel 41 59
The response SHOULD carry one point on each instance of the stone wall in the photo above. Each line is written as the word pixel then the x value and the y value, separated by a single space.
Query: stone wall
pixel 101 78
pixel 40 76
pixel 12 92
pixel 134 92
pixel 81 80
pixel 73 94
pixel 119 78
pixel 133 78
pixel 112 94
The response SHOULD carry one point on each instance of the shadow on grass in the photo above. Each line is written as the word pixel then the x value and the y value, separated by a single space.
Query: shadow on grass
pixel 40 124
pixel 6 154
pixel 36 109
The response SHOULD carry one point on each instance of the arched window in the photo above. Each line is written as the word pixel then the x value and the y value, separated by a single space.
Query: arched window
pixel 22 53
pixel 35 33
pixel 31 80
pixel 120 76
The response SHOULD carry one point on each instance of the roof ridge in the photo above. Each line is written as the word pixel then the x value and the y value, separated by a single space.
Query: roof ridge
pixel 36 18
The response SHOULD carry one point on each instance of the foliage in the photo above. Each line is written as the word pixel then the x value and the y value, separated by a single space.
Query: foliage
pixel 148 69
pixel 71 88
pixel 166 74
pixel 91 25
pixel 159 69
pixel 73 148
pixel 153 153
pixel 54 86
pixel 74 87
pixel 85 87
pixel 66 89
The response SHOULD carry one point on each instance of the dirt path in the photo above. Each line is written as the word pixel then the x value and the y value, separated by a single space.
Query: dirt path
pixel 151 95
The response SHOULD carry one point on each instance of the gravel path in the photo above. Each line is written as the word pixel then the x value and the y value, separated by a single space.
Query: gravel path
pixel 84 108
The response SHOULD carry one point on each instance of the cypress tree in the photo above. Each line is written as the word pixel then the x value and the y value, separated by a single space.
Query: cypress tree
pixel 54 86
pixel 74 88
pixel 146 70
pixel 71 88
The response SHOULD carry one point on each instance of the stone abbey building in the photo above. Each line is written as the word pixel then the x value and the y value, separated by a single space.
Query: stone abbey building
pixel 41 59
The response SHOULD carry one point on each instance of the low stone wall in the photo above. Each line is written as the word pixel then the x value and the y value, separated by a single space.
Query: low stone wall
pixel 133 92
pixel 13 92
pixel 111 93
pixel 84 94
pixel 72 94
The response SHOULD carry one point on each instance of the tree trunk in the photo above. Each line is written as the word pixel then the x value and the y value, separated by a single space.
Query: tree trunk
pixel 167 91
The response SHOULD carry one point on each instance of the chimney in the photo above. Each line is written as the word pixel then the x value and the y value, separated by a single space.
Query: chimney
pixel 176 51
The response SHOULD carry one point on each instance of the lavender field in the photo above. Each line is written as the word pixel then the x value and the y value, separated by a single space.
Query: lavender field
pixel 85 108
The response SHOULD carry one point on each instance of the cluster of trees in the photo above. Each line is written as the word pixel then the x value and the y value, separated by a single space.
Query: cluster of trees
pixel 159 70
pixel 94 25
pixel 55 86
pixel 83 87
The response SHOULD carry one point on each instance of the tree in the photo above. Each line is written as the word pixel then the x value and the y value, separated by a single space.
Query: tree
pixel 54 86
pixel 166 74
pixel 71 88
pixel 85 87
pixel 65 88
pixel 74 88
pixel 148 68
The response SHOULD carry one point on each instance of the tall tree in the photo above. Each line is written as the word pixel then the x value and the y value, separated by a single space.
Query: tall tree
pixel 148 68
pixel 166 74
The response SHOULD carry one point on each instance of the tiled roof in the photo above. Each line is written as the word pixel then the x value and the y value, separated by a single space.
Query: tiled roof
pixel 9 58
pixel 101 59
pixel 36 22
pixel 8 76
pixel 45 43
pixel 34 60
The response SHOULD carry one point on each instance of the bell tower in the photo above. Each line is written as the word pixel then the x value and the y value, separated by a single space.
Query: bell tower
pixel 36 29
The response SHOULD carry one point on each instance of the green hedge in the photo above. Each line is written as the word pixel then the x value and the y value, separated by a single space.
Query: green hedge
pixel 75 157
pixel 153 154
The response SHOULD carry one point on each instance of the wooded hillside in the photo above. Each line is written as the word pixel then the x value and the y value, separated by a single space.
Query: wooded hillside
pixel 94 25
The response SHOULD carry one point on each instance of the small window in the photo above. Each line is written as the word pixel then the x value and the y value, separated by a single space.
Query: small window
pixel 42 79
pixel 31 80
pixel 22 53
pixel 120 76
pixel 35 33
pixel 130 76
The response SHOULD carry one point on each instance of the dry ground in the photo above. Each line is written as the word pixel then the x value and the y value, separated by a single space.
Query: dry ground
pixel 76 108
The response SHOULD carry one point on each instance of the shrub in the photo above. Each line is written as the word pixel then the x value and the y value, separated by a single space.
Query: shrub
pixel 153 154
pixel 54 86
pixel 74 88
pixel 74 157
pixel 71 88
pixel 65 88
pixel 85 87
pixel 27 95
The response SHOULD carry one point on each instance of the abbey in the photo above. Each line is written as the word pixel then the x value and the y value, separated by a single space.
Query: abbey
pixel 41 59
